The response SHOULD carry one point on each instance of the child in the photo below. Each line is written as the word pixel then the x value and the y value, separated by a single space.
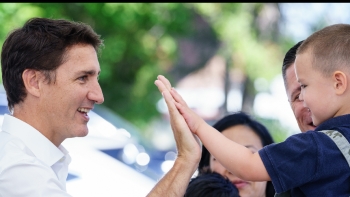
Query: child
pixel 305 164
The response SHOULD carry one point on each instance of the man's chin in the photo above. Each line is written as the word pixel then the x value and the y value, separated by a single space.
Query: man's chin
pixel 82 132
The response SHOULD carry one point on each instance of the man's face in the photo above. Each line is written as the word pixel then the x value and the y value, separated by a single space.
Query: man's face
pixel 301 113
pixel 66 101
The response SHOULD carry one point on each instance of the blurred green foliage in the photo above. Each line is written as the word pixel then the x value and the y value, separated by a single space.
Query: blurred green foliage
pixel 141 41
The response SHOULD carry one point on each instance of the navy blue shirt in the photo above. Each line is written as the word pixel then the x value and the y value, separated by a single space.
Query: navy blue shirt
pixel 310 164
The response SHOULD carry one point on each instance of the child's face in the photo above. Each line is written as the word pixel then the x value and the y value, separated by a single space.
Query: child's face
pixel 316 89
pixel 301 113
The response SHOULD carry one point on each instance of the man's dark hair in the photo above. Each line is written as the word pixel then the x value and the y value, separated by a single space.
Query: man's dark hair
pixel 289 59
pixel 211 184
pixel 41 44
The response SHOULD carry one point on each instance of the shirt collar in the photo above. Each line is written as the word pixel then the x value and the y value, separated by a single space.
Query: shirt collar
pixel 335 122
pixel 41 147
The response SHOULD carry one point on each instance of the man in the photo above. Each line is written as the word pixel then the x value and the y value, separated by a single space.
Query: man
pixel 50 73
pixel 302 114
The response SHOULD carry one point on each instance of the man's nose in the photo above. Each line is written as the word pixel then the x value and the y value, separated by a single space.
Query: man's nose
pixel 96 94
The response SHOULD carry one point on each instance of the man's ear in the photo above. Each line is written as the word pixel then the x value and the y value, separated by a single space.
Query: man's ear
pixel 340 82
pixel 31 79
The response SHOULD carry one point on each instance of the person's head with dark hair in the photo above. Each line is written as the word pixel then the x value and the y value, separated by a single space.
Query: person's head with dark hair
pixel 50 72
pixel 243 129
pixel 289 60
pixel 210 184
pixel 293 89
pixel 41 45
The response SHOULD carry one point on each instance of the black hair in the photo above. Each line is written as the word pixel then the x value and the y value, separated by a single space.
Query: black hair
pixel 211 184
pixel 289 59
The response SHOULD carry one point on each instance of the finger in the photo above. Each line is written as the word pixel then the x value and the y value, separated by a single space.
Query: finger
pixel 180 108
pixel 185 112
pixel 161 87
pixel 171 104
pixel 177 97
pixel 165 81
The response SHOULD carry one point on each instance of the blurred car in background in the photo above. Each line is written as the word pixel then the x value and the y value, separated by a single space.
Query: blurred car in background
pixel 112 160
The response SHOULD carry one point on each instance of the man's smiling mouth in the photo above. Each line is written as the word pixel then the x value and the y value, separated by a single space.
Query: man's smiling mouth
pixel 83 110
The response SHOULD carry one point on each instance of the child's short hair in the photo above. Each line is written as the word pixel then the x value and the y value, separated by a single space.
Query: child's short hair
pixel 210 184
pixel 330 48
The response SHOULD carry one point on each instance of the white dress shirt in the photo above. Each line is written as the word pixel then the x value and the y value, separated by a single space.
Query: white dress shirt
pixel 30 164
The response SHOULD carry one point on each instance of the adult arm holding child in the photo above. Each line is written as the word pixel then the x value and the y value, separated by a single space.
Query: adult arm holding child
pixel 240 161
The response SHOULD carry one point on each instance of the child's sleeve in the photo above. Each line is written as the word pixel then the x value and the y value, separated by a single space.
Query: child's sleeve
pixel 291 163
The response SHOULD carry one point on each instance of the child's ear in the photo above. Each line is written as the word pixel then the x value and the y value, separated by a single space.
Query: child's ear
pixel 31 80
pixel 340 82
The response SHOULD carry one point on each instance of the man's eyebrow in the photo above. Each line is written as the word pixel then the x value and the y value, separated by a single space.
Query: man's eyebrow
pixel 89 72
